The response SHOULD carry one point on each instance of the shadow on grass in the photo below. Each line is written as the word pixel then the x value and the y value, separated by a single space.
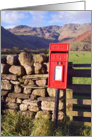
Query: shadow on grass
pixel 72 128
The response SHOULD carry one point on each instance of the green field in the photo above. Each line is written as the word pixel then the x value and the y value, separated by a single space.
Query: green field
pixel 80 58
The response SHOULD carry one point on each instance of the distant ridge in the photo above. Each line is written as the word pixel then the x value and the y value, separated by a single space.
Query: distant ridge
pixel 39 37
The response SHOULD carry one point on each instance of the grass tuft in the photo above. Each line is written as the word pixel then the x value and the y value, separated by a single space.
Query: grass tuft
pixel 42 127
pixel 18 125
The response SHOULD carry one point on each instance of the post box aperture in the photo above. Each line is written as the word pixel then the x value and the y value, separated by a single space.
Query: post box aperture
pixel 58 65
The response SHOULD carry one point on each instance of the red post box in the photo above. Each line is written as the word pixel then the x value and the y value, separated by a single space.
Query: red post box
pixel 58 65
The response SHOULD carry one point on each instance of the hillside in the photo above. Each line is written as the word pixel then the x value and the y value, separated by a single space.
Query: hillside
pixel 85 37
pixel 52 32
pixel 9 40
pixel 40 37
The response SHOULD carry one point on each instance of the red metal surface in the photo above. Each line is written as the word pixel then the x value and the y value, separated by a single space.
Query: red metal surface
pixel 58 65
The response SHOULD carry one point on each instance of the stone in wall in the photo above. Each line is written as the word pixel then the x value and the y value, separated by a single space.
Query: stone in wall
pixel 17 89
pixel 5 68
pixel 36 76
pixel 32 102
pixel 33 97
pixel 21 80
pixel 46 99
pixel 12 60
pixel 52 92
pixel 15 82
pixel 33 108
pixel 50 105
pixel 9 77
pixel 3 59
pixel 6 85
pixel 5 111
pixel 33 105
pixel 60 116
pixel 41 82
pixel 8 99
pixel 29 69
pixel 28 81
pixel 47 66
pixel 39 92
pixel 4 92
pixel 43 114
pixel 43 69
pixel 23 107
pixel 37 68
pixel 18 100
pixel 27 90
pixel 3 96
pixel 25 58
pixel 40 58
pixel 17 70
pixel 11 105
pixel 18 95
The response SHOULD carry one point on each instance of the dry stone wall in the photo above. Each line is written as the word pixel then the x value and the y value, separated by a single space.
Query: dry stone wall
pixel 24 86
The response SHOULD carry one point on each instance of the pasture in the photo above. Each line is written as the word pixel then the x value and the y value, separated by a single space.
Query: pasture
pixel 80 58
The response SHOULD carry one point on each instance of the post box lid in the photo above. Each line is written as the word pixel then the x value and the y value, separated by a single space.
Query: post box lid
pixel 64 47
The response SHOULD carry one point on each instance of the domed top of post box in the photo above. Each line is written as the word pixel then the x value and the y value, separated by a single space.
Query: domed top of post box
pixel 62 47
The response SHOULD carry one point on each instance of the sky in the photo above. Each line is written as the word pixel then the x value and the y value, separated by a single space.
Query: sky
pixel 10 19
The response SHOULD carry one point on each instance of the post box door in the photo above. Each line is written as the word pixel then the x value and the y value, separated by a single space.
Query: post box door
pixel 58 75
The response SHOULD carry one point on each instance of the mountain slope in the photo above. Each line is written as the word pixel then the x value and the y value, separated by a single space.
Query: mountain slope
pixel 52 32
pixel 85 37
pixel 40 37
pixel 9 40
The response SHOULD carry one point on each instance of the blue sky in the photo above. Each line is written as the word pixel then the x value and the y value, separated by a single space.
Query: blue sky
pixel 10 19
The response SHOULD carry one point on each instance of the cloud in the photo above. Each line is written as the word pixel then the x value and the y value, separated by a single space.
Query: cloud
pixel 43 18
pixel 9 26
pixel 70 17
pixel 38 17
pixel 11 17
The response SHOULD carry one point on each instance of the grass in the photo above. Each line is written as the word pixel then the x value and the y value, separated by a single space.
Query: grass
pixel 15 124
pixel 80 58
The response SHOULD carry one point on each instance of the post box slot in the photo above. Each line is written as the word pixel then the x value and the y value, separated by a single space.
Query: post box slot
pixel 58 62
pixel 59 52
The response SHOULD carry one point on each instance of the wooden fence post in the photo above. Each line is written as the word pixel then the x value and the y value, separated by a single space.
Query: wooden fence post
pixel 69 79
pixel 69 106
